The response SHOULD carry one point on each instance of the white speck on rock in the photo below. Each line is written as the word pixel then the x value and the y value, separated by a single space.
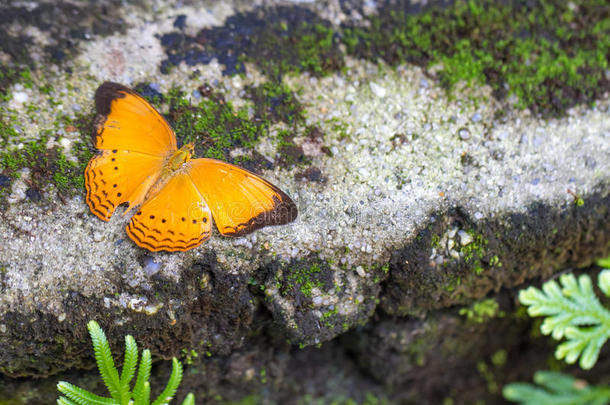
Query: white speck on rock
pixel 20 97
pixel 377 89
pixel 464 134
pixel 151 309
pixel 454 254
pixel 465 238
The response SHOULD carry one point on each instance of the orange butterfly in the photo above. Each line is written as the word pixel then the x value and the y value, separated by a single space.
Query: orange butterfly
pixel 140 163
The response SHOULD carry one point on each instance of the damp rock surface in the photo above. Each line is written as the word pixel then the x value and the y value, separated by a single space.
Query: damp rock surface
pixel 414 200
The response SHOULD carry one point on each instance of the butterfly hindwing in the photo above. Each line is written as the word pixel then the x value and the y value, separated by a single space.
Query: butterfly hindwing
pixel 240 201
pixel 126 121
pixel 114 177
pixel 177 218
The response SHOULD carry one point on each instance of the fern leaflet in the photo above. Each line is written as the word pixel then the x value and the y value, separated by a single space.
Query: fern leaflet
pixel 572 311
pixel 556 389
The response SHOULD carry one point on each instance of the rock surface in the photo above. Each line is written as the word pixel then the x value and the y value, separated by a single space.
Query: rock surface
pixel 413 202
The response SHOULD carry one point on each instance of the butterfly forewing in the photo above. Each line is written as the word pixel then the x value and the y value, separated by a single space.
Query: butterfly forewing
pixel 128 122
pixel 117 176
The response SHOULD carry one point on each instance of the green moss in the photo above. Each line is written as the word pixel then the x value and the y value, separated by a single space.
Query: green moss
pixel 213 125
pixel 7 131
pixel 327 316
pixel 488 375
pixel 435 240
pixel 189 356
pixel 481 311
pixel 453 281
pixel 474 252
pixel 339 127
pixel 498 359
pixel 275 102
pixel 217 128
pixel 550 54
pixel 49 166
pixel 249 400
pixel 305 279
pixel 303 45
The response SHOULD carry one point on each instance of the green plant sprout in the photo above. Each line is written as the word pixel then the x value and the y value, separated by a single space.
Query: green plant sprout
pixel 604 262
pixel 572 311
pixel 556 389
pixel 119 386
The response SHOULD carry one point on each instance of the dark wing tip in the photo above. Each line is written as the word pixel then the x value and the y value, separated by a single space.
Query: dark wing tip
pixel 283 212
pixel 106 93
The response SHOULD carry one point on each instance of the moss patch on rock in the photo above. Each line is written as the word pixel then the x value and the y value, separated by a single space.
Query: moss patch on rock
pixel 550 54
pixel 62 23
pixel 278 40
pixel 49 165
pixel 221 131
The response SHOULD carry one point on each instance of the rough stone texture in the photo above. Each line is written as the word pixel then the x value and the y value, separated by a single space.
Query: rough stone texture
pixel 411 204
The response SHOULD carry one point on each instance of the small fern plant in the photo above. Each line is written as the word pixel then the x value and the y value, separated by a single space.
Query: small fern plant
pixel 555 388
pixel 572 311
pixel 119 386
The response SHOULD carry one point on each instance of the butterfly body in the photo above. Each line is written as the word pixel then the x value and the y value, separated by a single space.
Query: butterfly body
pixel 173 165
pixel 139 163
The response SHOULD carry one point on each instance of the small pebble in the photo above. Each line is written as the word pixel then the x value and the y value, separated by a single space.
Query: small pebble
pixel 465 238
pixel 464 134
pixel 150 266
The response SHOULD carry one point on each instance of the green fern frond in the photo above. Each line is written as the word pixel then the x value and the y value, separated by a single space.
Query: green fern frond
pixel 556 389
pixel 119 387
pixel 572 311
pixel 65 401
pixel 143 376
pixel 129 367
pixel 143 397
pixel 172 384
pixel 104 360
pixel 189 400
pixel 80 396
